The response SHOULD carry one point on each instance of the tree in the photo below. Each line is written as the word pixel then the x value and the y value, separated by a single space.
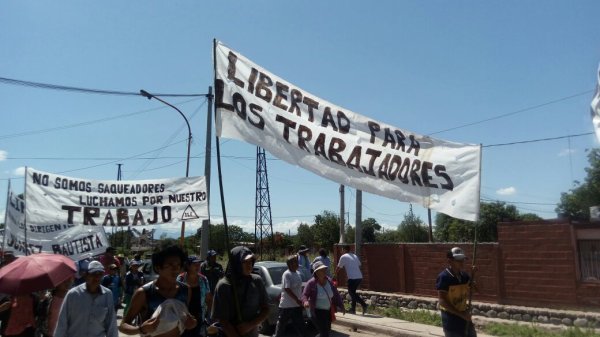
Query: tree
pixel 326 229
pixel 305 236
pixel 349 234
pixel 576 203
pixel 236 235
pixel 388 235
pixel 449 229
pixel 412 229
pixel 369 226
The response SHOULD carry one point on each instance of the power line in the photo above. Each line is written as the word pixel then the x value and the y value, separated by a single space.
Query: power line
pixel 39 85
pixel 540 140
pixel 69 126
pixel 587 92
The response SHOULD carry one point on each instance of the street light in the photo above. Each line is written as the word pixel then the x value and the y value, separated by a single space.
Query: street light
pixel 150 96
pixel 189 143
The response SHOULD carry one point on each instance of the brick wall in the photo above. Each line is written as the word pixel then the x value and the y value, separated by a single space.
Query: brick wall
pixel 533 263
pixel 539 263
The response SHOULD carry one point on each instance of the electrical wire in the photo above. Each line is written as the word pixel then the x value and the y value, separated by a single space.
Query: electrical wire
pixel 40 85
pixel 540 140
pixel 587 92
pixel 69 126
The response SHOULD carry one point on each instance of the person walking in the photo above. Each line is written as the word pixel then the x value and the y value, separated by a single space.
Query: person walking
pixel 162 304
pixel 351 264
pixel 322 298
pixel 49 308
pixel 212 270
pixel 108 259
pixel 240 302
pixel 133 280
pixel 304 262
pixel 114 282
pixel 201 297
pixel 452 285
pixel 324 259
pixel 290 304
pixel 88 309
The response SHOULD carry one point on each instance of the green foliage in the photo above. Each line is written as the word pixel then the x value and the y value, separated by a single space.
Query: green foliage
pixel 305 236
pixel 369 227
pixel 576 203
pixel 236 235
pixel 412 229
pixel 517 330
pixel 326 229
pixel 349 234
pixel 449 229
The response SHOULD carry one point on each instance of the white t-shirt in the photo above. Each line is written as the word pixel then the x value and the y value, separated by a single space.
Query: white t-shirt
pixel 293 281
pixel 351 263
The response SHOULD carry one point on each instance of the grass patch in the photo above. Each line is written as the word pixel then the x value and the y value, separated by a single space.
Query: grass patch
pixel 517 330
pixel 417 316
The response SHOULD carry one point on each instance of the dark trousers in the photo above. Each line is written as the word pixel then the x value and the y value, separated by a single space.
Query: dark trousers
pixel 352 286
pixel 322 321
pixel 457 327
pixel 295 314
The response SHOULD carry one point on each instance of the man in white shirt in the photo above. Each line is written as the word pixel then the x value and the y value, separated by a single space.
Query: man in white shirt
pixel 351 264
pixel 290 305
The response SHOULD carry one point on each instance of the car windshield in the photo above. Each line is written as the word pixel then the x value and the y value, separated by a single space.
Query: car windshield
pixel 277 272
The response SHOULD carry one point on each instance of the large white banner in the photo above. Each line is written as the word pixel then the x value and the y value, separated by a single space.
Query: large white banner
pixel 76 242
pixel 596 107
pixel 55 201
pixel 261 108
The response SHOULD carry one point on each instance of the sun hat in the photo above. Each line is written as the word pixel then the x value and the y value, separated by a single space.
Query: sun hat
pixel 95 266
pixel 318 266
pixel 456 253
pixel 302 249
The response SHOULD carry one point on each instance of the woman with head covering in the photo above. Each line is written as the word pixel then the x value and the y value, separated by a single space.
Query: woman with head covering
pixel 322 298
pixel 240 301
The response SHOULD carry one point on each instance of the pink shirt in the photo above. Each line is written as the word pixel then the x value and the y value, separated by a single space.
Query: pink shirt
pixel 53 314
pixel 21 315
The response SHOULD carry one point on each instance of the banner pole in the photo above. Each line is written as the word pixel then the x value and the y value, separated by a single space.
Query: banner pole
pixel 25 213
pixel 473 266
pixel 5 221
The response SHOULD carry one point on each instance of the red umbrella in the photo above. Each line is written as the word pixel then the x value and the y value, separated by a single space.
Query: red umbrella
pixel 35 272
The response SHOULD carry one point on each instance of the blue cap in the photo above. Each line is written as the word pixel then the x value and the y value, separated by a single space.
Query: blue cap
pixel 194 259
pixel 212 253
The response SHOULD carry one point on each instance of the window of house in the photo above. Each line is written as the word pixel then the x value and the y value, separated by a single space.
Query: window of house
pixel 589 259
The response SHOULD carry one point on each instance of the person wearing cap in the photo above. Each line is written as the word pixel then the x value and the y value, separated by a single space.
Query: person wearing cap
pixel 109 258
pixel 290 304
pixel 303 261
pixel 212 270
pixel 133 280
pixel 201 296
pixel 322 298
pixel 351 264
pixel 88 309
pixel 166 293
pixel 452 285
pixel 114 282
pixel 240 301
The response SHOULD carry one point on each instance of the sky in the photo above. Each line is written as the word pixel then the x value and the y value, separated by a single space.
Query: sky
pixel 489 73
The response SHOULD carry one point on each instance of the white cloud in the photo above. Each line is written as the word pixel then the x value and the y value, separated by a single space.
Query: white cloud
pixel 20 171
pixel 3 155
pixel 507 191
pixel 566 152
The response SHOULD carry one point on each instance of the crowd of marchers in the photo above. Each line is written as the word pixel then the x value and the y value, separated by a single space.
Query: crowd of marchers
pixel 193 298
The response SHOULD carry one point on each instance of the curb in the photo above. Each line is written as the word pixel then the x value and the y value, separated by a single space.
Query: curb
pixel 379 329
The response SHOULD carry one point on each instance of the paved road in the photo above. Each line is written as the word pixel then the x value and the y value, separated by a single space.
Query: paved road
pixel 338 331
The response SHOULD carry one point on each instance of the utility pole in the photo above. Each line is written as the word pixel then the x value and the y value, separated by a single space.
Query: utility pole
pixel 358 230
pixel 119 177
pixel 205 232
pixel 342 213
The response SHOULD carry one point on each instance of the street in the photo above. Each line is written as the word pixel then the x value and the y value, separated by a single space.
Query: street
pixel 337 331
